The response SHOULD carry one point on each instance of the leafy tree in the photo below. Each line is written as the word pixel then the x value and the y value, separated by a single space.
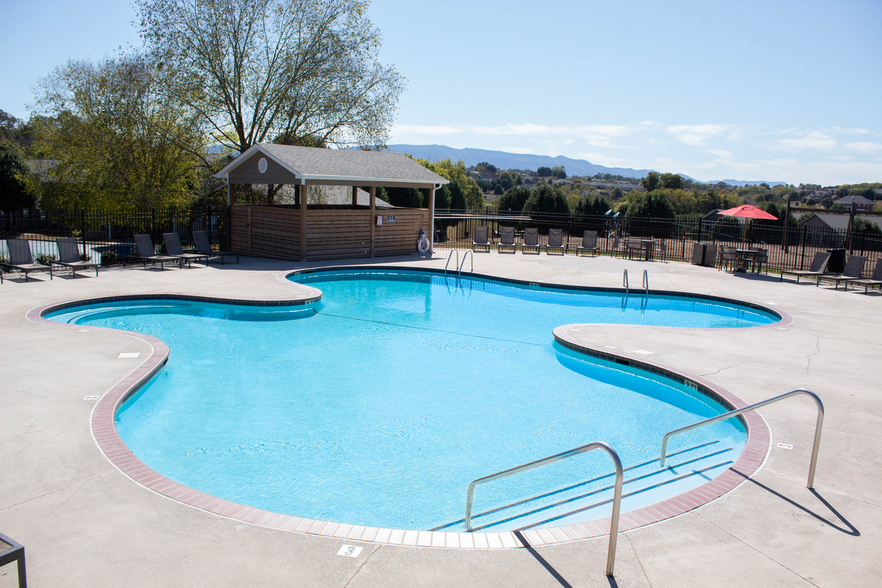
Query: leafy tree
pixel 651 181
pixel 543 172
pixel 827 202
pixel 558 172
pixel 252 68
pixel 404 197
pixel 467 193
pixel 513 200
pixel 114 139
pixel 671 181
pixel 16 132
pixel 865 226
pixel 653 204
pixel 617 194
pixel 547 199
pixel 505 180
pixel 14 191
pixel 591 205
pixel 497 189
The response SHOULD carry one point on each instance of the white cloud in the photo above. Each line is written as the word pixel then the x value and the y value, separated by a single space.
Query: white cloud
pixel 696 135
pixel 722 154
pixel 405 130
pixel 863 147
pixel 813 140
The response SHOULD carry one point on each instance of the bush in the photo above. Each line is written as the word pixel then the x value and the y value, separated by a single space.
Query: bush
pixel 46 259
pixel 110 257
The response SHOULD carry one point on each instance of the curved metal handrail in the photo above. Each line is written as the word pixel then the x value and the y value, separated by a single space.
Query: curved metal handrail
pixel 732 413
pixel 466 256
pixel 452 251
pixel 646 282
pixel 625 281
pixel 617 496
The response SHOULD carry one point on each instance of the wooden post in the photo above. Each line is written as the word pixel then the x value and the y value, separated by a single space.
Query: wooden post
pixel 373 220
pixel 300 192
pixel 354 196
pixel 431 229
pixel 229 193
pixel 249 229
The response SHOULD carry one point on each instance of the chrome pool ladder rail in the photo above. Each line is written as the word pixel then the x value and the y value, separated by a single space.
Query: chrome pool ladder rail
pixel 625 281
pixel 645 281
pixel 452 251
pixel 617 497
pixel 818 425
pixel 467 256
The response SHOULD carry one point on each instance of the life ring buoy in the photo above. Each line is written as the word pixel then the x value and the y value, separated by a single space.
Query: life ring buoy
pixel 423 244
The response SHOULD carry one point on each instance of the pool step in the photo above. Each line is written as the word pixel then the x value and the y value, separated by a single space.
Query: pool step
pixel 645 483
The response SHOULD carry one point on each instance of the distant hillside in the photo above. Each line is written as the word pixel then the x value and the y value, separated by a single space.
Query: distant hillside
pixel 503 160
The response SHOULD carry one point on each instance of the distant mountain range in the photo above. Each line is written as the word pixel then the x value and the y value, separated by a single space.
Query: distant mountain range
pixel 503 160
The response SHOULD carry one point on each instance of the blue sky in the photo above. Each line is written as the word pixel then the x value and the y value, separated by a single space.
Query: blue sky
pixel 775 90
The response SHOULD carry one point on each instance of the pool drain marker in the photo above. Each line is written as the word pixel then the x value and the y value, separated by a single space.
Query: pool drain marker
pixel 349 551
pixel 128 355
pixel 785 445
pixel 90 398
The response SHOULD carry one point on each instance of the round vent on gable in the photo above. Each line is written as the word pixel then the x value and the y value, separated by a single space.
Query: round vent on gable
pixel 261 165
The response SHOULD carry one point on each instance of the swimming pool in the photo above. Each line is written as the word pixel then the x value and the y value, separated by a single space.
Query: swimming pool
pixel 340 446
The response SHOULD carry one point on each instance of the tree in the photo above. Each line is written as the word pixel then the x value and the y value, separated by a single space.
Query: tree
pixel 114 139
pixel 543 172
pixel 253 70
pixel 547 199
pixel 651 205
pixel 514 199
pixel 651 181
pixel 505 180
pixel 591 205
pixel 558 172
pixel 14 192
pixel 671 181
pixel 464 191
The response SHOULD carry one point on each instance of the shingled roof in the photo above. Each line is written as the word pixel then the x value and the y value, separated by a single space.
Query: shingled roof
pixel 268 163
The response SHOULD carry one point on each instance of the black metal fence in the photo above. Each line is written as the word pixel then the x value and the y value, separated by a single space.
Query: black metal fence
pixel 675 238
pixel 106 237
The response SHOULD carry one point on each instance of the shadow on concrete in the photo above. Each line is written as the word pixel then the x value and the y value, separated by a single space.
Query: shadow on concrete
pixel 851 530
pixel 548 567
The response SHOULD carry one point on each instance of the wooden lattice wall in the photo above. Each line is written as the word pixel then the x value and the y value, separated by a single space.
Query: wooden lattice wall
pixel 344 233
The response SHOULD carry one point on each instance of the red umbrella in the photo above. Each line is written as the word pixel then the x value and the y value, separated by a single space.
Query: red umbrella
pixel 748 211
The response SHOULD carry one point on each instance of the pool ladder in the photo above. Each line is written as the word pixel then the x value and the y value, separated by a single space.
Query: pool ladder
pixel 617 498
pixel 645 285
pixel 464 257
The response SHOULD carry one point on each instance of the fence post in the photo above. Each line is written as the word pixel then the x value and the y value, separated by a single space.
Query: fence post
pixel 83 228
pixel 153 228
pixel 802 255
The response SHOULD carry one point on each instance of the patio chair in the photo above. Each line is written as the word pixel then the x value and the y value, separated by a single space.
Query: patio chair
pixel 555 241
pixel 481 241
pixel 818 268
pixel 531 240
pixel 854 267
pixel 69 256
pixel 589 243
pixel 728 257
pixel 760 258
pixel 173 247
pixel 147 252
pixel 659 249
pixel 616 246
pixel 507 240
pixel 203 246
pixel 635 244
pixel 21 258
pixel 873 280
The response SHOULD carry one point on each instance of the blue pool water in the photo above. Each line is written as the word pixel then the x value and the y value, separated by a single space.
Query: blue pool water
pixel 378 405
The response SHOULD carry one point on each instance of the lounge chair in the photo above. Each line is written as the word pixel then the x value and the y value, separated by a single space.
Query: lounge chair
pixel 853 269
pixel 635 245
pixel 147 252
pixel 817 269
pixel 507 240
pixel 69 256
pixel 173 247
pixel 203 246
pixel 873 280
pixel 555 241
pixel 531 240
pixel 480 241
pixel 589 243
pixel 21 258
pixel 616 247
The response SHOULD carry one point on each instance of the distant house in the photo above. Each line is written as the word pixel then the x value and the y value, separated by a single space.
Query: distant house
pixel 829 230
pixel 860 203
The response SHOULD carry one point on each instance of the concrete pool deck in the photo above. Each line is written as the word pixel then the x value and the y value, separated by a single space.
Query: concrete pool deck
pixel 83 523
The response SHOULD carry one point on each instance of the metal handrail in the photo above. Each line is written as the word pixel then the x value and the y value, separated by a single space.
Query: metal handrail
pixel 731 413
pixel 617 496
pixel 452 251
pixel 466 256
pixel 646 282
pixel 625 281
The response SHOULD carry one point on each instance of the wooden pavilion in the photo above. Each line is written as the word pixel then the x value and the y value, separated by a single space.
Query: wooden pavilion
pixel 310 232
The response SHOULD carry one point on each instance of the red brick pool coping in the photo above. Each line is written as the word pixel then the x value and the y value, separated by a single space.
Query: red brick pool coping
pixel 108 440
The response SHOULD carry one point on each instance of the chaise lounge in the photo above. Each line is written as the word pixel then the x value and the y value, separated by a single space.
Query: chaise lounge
pixel 21 258
pixel 204 246
pixel 147 252
pixel 817 269
pixel 173 247
pixel 69 256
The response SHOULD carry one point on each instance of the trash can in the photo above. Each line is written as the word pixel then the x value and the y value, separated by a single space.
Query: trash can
pixel 837 260
pixel 698 251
